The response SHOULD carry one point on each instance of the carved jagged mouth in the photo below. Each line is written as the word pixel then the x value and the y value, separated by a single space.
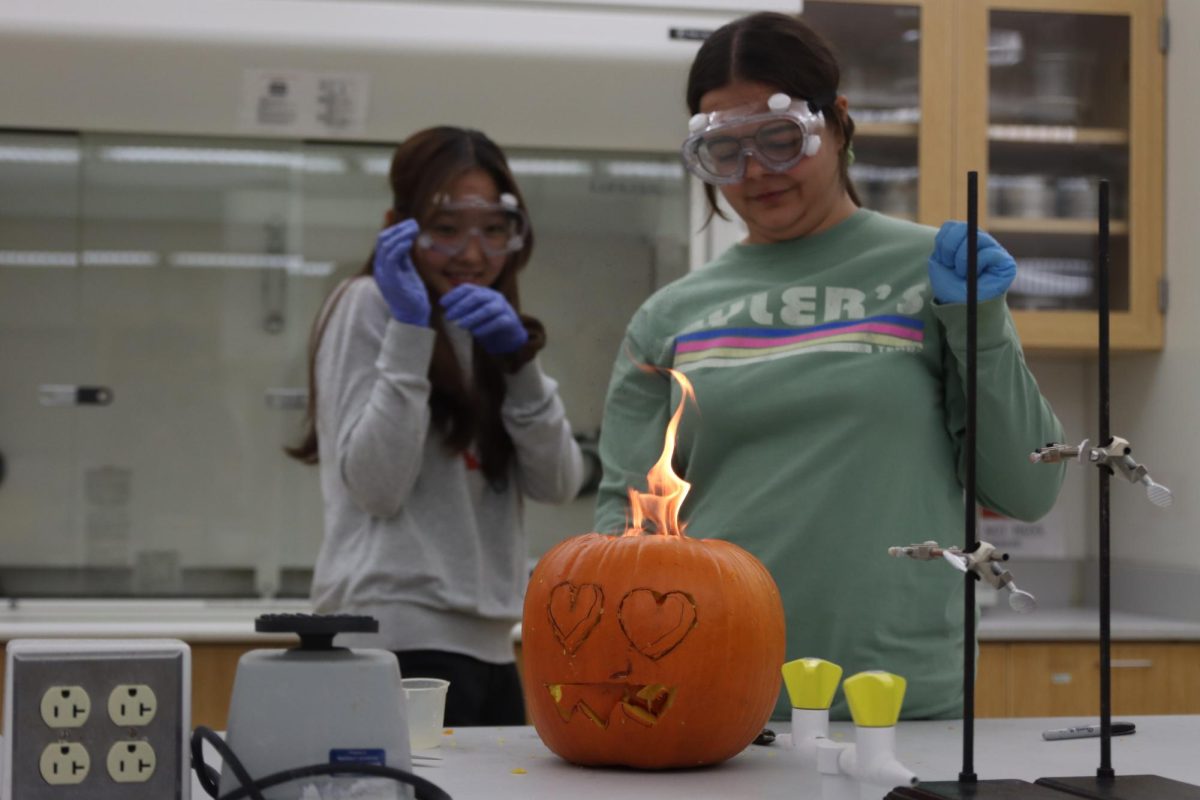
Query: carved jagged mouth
pixel 643 703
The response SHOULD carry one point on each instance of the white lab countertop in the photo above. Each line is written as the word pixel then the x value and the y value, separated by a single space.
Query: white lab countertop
pixel 501 763
pixel 233 621
pixel 190 620
pixel 1082 624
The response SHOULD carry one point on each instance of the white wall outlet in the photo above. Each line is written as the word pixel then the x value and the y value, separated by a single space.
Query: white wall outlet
pixel 101 719
pixel 66 706
pixel 64 764
pixel 131 762
pixel 132 705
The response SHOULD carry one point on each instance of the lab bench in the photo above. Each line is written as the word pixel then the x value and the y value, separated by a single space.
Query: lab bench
pixel 502 763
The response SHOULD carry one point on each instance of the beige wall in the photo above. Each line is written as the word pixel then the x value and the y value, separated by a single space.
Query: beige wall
pixel 1155 398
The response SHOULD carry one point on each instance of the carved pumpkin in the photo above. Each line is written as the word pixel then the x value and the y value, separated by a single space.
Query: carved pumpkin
pixel 651 650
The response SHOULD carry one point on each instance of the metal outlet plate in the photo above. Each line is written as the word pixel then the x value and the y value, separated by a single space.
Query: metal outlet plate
pixel 33 673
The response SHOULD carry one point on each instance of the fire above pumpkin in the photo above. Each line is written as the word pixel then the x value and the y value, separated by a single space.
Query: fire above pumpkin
pixel 667 492
pixel 651 649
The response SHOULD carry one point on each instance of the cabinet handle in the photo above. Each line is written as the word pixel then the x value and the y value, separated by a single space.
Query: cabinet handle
pixel 283 398
pixel 1131 663
pixel 58 394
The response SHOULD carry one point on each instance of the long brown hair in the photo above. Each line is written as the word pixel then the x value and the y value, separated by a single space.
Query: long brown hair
pixel 783 52
pixel 424 165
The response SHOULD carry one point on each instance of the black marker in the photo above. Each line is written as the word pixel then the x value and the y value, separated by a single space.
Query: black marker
pixel 766 737
pixel 1084 731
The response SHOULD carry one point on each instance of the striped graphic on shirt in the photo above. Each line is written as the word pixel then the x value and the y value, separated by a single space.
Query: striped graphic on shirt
pixel 735 347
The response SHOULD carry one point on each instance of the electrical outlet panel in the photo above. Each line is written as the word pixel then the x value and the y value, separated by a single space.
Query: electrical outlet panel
pixel 97 719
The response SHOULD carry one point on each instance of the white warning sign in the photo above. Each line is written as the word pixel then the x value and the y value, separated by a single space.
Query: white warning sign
pixel 303 102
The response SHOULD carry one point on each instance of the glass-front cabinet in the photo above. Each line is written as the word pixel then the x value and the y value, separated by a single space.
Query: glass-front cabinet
pixel 156 297
pixel 1044 99
pixel 1065 95
pixel 891 55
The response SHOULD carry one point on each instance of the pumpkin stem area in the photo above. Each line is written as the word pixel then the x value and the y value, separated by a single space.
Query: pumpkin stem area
pixel 657 511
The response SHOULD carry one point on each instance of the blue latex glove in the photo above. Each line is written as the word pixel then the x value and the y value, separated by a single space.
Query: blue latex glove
pixel 396 276
pixel 948 265
pixel 488 316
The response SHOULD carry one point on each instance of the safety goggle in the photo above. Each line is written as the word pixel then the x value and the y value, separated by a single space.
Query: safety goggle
pixel 500 228
pixel 778 138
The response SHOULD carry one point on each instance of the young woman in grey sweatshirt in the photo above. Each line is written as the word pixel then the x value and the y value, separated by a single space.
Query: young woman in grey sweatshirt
pixel 432 421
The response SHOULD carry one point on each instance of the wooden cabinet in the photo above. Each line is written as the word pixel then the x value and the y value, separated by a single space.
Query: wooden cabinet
pixel 1014 679
pixel 1044 98
pixel 214 666
pixel 1057 679
pixel 991 680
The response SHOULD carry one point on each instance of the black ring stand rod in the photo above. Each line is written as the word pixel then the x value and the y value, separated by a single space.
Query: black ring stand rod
pixel 1105 769
pixel 967 774
pixel 968 786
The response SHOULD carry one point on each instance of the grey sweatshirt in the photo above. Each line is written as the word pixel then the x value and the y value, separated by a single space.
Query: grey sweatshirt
pixel 414 536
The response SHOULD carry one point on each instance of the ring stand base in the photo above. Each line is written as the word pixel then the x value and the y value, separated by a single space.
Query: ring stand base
pixel 979 790
pixel 1124 787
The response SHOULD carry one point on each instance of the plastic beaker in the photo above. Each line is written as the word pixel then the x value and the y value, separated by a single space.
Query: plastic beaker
pixel 425 699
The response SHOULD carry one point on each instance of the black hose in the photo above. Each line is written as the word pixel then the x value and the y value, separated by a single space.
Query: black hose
pixel 252 788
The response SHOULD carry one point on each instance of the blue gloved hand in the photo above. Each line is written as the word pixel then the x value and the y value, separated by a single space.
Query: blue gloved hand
pixel 948 265
pixel 488 316
pixel 396 276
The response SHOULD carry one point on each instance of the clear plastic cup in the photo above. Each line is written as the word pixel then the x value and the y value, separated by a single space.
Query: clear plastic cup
pixel 425 701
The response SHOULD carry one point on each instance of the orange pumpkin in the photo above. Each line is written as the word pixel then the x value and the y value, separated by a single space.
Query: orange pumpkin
pixel 650 651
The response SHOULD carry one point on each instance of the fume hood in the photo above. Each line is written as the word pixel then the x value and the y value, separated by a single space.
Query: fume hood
pixel 571 73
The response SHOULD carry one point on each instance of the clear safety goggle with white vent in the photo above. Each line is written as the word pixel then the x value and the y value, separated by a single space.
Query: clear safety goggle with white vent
pixel 500 228
pixel 778 137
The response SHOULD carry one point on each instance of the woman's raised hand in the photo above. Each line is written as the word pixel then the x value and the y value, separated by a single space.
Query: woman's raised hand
pixel 488 316
pixel 948 265
pixel 396 276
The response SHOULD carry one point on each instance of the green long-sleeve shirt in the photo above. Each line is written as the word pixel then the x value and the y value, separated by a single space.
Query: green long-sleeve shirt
pixel 830 424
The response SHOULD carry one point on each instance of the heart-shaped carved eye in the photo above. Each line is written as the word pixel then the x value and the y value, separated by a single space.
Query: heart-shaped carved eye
pixel 574 611
pixel 656 623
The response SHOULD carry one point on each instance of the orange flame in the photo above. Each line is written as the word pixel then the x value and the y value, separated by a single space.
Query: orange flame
pixel 667 492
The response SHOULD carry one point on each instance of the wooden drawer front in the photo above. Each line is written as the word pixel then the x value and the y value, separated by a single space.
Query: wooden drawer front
pixel 1064 679
pixel 214 666
pixel 991 680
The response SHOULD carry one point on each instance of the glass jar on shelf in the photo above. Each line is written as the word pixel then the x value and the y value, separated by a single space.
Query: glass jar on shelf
pixel 878 46
pixel 1058 123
